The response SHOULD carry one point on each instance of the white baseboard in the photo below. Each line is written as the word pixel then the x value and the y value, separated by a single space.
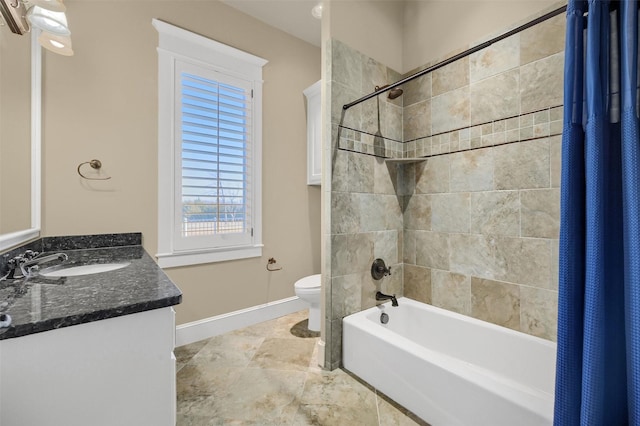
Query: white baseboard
pixel 214 326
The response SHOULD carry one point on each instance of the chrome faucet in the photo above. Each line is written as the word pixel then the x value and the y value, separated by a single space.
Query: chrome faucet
pixel 29 261
pixel 35 262
pixel 381 296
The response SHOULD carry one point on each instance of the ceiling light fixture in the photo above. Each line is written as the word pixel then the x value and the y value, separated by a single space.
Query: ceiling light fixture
pixel 46 16
pixel 47 20
pixel 317 11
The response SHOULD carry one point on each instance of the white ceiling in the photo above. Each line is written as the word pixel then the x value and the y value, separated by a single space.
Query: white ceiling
pixel 291 16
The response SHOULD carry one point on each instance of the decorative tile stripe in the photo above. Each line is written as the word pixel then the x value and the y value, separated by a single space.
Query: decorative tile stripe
pixel 519 128
pixel 365 143
pixel 534 125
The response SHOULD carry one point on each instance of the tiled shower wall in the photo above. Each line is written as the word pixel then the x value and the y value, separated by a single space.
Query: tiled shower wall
pixel 474 232
pixel 481 227
pixel 365 212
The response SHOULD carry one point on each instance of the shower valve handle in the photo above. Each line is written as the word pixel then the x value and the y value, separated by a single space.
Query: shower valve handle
pixel 383 270
pixel 379 269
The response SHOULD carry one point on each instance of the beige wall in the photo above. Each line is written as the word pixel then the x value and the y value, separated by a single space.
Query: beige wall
pixel 435 28
pixel 102 103
pixel 373 27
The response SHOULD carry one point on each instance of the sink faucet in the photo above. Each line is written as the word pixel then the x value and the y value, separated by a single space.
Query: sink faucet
pixel 381 296
pixel 35 262
pixel 29 260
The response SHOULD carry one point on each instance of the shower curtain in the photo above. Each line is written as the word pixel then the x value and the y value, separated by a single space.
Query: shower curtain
pixel 598 364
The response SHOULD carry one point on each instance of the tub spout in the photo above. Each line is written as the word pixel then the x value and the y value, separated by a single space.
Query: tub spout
pixel 381 296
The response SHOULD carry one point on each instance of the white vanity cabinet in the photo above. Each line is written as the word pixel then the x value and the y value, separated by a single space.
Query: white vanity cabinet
pixel 314 142
pixel 116 371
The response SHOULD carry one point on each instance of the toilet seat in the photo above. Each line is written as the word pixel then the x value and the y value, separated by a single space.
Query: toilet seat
pixel 308 284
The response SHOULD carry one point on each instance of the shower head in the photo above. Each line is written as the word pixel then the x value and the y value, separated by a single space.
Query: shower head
pixel 396 92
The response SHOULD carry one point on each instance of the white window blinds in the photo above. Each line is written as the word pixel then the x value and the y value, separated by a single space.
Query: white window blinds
pixel 215 146
pixel 216 136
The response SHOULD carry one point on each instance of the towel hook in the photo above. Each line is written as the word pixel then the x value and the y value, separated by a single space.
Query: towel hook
pixel 96 165
pixel 271 261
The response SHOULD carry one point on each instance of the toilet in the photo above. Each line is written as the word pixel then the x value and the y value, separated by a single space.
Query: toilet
pixel 308 289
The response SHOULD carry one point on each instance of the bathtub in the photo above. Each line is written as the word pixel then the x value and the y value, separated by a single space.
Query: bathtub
pixel 450 369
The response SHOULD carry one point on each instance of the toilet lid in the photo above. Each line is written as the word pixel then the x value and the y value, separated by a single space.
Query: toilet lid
pixel 309 282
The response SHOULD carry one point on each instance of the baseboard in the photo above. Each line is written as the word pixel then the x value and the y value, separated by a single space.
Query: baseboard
pixel 214 326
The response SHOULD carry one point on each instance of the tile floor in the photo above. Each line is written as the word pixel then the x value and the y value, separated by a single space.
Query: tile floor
pixel 267 374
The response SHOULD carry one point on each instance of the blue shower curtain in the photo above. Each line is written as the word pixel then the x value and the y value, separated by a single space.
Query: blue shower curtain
pixel 598 365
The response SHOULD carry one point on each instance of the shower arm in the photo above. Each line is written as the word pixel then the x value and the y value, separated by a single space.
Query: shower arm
pixel 457 57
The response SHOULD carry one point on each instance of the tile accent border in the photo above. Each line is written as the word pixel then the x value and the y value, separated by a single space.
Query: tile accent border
pixel 519 128
pixel 365 143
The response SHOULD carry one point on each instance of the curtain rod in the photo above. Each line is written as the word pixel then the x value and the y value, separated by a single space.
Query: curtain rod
pixel 459 56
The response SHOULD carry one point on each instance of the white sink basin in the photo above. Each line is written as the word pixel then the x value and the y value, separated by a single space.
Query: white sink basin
pixel 73 271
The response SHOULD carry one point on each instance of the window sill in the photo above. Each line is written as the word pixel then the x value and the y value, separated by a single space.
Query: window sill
pixel 172 260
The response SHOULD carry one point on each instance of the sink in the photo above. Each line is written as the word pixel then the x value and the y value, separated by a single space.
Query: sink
pixel 73 271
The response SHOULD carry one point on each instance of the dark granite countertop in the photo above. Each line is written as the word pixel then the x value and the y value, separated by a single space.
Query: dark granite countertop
pixel 38 304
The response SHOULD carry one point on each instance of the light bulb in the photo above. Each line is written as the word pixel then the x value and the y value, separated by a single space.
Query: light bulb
pixel 56 43
pixel 317 11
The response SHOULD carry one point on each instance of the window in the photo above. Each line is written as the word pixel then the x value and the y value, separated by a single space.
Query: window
pixel 209 150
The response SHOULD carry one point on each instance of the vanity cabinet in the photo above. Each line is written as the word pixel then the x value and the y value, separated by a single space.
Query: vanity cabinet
pixel 115 371
pixel 314 141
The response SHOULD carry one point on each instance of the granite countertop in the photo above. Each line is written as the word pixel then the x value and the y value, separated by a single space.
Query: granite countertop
pixel 38 304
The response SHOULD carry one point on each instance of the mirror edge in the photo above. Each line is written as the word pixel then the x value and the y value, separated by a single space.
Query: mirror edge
pixel 15 238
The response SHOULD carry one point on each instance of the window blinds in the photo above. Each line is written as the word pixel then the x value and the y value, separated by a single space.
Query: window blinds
pixel 216 146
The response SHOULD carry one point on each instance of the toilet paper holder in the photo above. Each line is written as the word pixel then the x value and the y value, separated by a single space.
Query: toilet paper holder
pixel 271 261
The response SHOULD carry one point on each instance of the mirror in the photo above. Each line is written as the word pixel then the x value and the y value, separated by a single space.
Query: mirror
pixel 20 111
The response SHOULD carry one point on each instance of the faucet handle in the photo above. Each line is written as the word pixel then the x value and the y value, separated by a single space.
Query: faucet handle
pixel 379 269
pixel 30 254
pixel 14 264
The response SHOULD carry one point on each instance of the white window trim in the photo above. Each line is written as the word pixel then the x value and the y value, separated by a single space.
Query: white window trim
pixel 176 43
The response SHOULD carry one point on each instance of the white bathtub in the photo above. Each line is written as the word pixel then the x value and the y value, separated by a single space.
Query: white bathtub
pixel 450 369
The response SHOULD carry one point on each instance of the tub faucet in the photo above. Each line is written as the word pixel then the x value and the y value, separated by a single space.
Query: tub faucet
pixel 381 296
